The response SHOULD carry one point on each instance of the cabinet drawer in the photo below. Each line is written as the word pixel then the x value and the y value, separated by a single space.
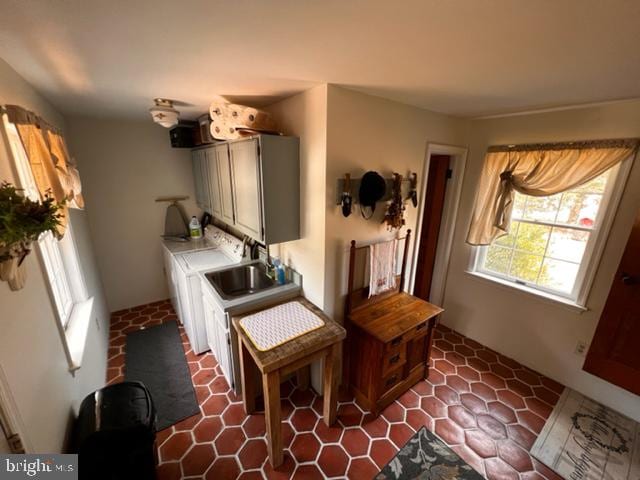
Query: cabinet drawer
pixel 390 380
pixel 417 331
pixel 394 358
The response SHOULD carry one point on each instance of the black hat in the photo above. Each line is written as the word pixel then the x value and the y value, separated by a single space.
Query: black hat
pixel 372 190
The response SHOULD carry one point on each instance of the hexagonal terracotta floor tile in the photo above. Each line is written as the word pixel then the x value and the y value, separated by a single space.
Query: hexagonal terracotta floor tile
pixel 449 431
pixel 434 407
pixel 355 442
pixel 493 380
pixel 502 412
pixel 224 467
pixel 376 427
pixel 175 446
pixel 328 434
pixel 394 413
pixel 229 441
pixel 469 374
pixel 515 456
pixel 457 383
pixel 362 468
pixel 254 426
pixel 409 399
pixel 444 367
pixel 302 398
pixel 530 420
pixel 304 419
pixel 333 460
pixel 481 443
pixel 478 364
pixel 308 472
pixel 215 404
pixel 446 394
pixel 305 447
pixel 511 399
pixel 417 419
pixel 473 403
pixel 519 387
pixel 234 415
pixel 538 407
pixel 349 415
pixel 462 416
pixel 382 451
pixel 400 433
pixel 253 454
pixel 491 426
pixel 483 391
pixel 198 459
pixel 204 376
pixel 499 469
pixel 207 429
pixel 435 377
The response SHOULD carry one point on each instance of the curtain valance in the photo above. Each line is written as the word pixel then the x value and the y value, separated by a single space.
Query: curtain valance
pixel 54 172
pixel 538 170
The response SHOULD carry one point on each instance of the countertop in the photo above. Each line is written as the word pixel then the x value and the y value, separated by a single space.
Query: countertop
pixel 190 245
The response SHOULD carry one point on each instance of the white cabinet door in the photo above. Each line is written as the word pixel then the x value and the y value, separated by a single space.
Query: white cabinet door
pixel 214 182
pixel 226 188
pixel 206 187
pixel 209 322
pixel 247 187
pixel 169 274
pixel 196 162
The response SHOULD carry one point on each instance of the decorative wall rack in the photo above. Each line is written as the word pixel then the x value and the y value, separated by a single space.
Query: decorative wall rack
pixel 355 188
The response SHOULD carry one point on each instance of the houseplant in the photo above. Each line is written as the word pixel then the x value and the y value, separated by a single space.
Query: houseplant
pixel 21 222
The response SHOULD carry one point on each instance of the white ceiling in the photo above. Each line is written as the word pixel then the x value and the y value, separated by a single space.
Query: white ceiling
pixel 462 57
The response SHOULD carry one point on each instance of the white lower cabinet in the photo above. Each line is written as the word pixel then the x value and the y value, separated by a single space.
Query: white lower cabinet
pixel 217 326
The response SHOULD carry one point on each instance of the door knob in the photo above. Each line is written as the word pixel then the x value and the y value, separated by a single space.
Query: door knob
pixel 629 279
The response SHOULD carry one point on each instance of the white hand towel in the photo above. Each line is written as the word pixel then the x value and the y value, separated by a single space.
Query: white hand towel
pixel 382 271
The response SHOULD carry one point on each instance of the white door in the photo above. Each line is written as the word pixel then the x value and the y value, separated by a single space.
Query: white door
pixel 247 187
pixel 214 182
pixel 226 188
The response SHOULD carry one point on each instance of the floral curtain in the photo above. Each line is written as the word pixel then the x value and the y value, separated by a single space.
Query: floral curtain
pixel 537 170
pixel 54 172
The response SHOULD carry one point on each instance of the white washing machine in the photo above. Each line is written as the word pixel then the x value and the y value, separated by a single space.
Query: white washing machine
pixel 226 250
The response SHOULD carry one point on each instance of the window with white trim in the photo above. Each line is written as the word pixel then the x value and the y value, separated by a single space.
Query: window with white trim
pixel 554 243
pixel 59 257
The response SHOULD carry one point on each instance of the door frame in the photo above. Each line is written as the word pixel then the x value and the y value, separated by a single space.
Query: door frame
pixel 457 163
pixel 10 420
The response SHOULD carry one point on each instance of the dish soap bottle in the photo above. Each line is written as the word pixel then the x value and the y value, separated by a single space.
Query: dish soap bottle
pixel 195 231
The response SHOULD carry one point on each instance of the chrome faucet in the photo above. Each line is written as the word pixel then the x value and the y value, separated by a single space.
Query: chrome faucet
pixel 245 239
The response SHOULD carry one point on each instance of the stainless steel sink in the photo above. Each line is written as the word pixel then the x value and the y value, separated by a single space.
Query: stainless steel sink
pixel 240 281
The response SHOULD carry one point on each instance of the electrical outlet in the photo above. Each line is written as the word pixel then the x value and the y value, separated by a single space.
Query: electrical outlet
pixel 581 348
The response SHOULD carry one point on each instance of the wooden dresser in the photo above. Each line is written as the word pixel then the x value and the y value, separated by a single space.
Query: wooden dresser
pixel 389 345
pixel 388 341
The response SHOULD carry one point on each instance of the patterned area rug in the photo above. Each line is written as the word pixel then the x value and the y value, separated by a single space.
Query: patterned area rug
pixel 584 440
pixel 426 457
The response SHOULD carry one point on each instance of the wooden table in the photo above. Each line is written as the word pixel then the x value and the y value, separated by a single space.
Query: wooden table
pixel 273 365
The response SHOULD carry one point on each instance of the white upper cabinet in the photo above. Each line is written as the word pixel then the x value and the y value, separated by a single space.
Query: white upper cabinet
pixel 247 188
pixel 254 186
pixel 214 183
pixel 225 181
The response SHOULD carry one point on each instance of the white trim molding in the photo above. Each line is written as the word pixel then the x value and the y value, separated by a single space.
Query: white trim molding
pixel 457 165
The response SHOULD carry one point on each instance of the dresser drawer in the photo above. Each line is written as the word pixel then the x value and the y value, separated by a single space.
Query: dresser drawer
pixel 390 380
pixel 394 358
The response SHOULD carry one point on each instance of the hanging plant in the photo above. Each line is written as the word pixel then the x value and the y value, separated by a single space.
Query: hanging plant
pixel 394 218
pixel 22 221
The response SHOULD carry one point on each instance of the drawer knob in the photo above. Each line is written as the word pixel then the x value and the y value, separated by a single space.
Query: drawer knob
pixel 391 380
pixel 421 326
pixel 394 359
pixel 396 341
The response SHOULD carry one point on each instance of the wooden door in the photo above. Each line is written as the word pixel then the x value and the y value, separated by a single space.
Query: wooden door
pixel 226 186
pixel 214 181
pixel 614 355
pixel 431 219
pixel 247 187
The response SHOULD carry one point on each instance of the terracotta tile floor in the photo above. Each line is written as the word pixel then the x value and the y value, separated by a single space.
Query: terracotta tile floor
pixel 487 407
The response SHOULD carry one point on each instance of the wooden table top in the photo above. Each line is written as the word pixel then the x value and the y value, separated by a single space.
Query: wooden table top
pixel 296 348
pixel 393 316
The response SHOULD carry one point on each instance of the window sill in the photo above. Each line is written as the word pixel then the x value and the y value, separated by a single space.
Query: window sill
pixel 76 333
pixel 531 292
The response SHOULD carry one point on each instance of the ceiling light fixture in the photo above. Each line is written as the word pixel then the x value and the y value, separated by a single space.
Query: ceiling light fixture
pixel 163 113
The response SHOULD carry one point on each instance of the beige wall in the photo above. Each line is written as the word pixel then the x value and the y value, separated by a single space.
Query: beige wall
pixel 539 334
pixel 32 358
pixel 371 133
pixel 125 165
pixel 305 116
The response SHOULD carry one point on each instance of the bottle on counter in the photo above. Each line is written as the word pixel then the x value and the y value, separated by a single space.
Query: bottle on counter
pixel 195 229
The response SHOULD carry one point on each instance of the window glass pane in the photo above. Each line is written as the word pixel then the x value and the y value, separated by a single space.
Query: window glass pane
pixel 508 239
pixel 518 205
pixel 597 185
pixel 532 238
pixel 497 259
pixel 542 208
pixel 525 266
pixel 567 244
pixel 558 275
pixel 579 209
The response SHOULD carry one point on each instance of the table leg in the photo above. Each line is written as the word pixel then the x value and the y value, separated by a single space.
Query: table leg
pixel 248 375
pixel 271 388
pixel 331 365
pixel 302 377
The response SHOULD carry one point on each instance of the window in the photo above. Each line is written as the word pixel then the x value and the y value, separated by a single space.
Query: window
pixel 554 242
pixel 59 257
